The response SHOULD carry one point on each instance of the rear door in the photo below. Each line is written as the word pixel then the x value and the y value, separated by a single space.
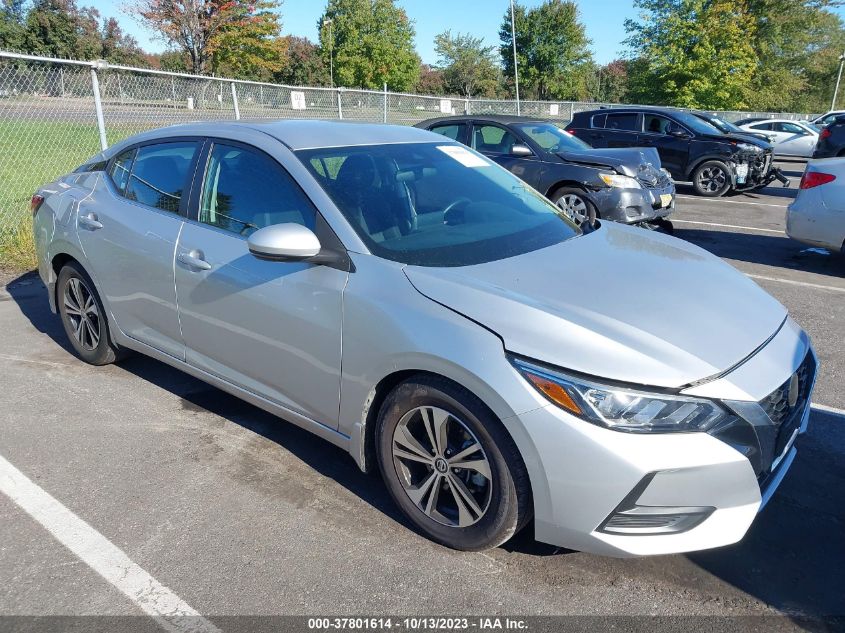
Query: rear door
pixel 621 129
pixel 793 139
pixel 496 142
pixel 271 328
pixel 455 131
pixel 673 150
pixel 128 230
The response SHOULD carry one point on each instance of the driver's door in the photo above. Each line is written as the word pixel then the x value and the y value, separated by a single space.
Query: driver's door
pixel 673 149
pixel 496 143
pixel 271 328
pixel 793 140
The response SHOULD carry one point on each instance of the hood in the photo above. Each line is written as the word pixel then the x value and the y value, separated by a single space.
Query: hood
pixel 737 138
pixel 625 160
pixel 620 303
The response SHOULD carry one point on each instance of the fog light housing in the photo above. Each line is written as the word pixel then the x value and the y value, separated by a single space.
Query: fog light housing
pixel 645 520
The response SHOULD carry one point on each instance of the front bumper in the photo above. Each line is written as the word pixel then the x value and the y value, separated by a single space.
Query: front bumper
pixel 631 206
pixel 758 170
pixel 591 474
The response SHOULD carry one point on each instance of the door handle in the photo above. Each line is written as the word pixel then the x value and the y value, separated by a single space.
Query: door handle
pixel 90 221
pixel 194 260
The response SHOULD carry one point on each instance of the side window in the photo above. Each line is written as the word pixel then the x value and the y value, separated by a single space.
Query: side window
pixel 599 120
pixel 159 174
pixel 622 121
pixel 762 126
pixel 656 124
pixel 492 139
pixel 120 169
pixel 452 131
pixel 245 190
pixel 790 128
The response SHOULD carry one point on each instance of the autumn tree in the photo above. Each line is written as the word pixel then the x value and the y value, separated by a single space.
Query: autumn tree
pixel 303 64
pixel 552 49
pixel 371 42
pixel 248 45
pixel 430 81
pixel 468 66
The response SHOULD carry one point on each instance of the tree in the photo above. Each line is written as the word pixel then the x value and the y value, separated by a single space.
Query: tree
pixel 193 25
pixel 371 43
pixel 468 67
pixel 552 49
pixel 430 81
pixel 249 46
pixel 303 64
pixel 613 82
pixel 51 29
pixel 120 48
pixel 12 29
pixel 693 53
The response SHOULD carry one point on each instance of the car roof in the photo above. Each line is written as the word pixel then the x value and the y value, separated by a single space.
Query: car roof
pixel 496 118
pixel 774 121
pixel 299 134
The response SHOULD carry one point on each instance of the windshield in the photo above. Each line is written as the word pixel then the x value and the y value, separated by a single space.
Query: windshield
pixel 435 204
pixel 550 137
pixel 812 126
pixel 695 124
pixel 724 126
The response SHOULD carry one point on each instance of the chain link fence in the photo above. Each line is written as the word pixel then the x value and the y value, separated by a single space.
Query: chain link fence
pixel 54 113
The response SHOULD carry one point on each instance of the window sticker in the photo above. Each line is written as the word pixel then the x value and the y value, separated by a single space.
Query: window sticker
pixel 463 156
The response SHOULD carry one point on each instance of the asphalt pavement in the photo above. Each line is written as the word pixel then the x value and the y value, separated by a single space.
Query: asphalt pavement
pixel 229 511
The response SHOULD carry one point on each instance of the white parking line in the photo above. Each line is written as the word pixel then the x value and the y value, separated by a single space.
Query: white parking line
pixel 723 201
pixel 796 283
pixel 169 610
pixel 729 226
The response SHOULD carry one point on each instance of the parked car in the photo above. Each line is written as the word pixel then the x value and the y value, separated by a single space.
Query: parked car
pixel 726 127
pixel 405 298
pixel 691 149
pixel 623 185
pixel 817 215
pixel 827 117
pixel 753 119
pixel 831 139
pixel 790 138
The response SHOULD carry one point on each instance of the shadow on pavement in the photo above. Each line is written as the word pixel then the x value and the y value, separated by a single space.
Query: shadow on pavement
pixel 771 250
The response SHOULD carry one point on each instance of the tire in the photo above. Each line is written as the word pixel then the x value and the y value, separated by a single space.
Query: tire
pixel 575 205
pixel 711 179
pixel 88 334
pixel 420 479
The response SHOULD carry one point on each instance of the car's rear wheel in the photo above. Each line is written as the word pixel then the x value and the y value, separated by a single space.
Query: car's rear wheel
pixel 711 178
pixel 575 205
pixel 83 316
pixel 450 465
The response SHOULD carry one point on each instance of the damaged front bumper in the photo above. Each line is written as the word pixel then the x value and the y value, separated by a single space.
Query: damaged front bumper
pixel 753 170
pixel 634 206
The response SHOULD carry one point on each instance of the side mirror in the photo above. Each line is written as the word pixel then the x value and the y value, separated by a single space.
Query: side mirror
pixel 521 150
pixel 284 243
pixel 678 132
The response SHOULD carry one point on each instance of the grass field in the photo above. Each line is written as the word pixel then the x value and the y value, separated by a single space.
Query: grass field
pixel 31 154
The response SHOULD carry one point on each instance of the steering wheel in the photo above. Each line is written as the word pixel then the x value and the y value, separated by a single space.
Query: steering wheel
pixel 452 209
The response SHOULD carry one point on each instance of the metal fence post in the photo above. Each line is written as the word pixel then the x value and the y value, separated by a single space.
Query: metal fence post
pixel 571 110
pixel 98 107
pixel 467 108
pixel 384 118
pixel 173 92
pixel 235 102
pixel 339 107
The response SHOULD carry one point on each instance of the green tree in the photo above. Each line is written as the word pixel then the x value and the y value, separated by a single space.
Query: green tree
pixel 51 29
pixel 248 45
pixel 12 30
pixel 430 81
pixel 120 48
pixel 468 67
pixel 371 43
pixel 552 49
pixel 303 64
pixel 693 53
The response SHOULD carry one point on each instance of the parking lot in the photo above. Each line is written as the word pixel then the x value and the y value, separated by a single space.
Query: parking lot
pixel 230 511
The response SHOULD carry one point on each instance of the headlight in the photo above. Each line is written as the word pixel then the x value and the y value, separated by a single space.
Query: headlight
pixel 748 147
pixel 618 180
pixel 624 409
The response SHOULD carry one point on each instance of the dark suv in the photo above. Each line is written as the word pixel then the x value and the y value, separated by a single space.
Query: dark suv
pixel 690 148
pixel 831 139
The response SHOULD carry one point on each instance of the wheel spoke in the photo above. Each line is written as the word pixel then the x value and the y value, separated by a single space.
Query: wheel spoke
pixel 403 454
pixel 468 510
pixel 70 307
pixel 431 504
pixel 404 438
pixel 417 494
pixel 75 288
pixel 93 333
pixel 469 450
pixel 78 329
pixel 481 466
pixel 435 426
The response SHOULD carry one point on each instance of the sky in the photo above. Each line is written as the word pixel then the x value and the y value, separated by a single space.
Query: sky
pixel 603 19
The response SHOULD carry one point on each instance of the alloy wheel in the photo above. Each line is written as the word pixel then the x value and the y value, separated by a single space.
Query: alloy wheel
pixel 82 313
pixel 712 178
pixel 442 466
pixel 573 207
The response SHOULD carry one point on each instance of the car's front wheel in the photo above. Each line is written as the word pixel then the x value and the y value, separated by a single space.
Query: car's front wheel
pixel 711 179
pixel 575 205
pixel 83 316
pixel 450 465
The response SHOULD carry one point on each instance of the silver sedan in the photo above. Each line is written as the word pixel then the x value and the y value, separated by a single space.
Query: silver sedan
pixel 817 215
pixel 408 300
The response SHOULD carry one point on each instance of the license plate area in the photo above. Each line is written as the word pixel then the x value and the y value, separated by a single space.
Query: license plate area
pixel 665 199
pixel 741 173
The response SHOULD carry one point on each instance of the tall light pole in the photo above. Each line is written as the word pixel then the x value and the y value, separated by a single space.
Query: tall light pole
pixel 515 70
pixel 838 78
pixel 328 22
